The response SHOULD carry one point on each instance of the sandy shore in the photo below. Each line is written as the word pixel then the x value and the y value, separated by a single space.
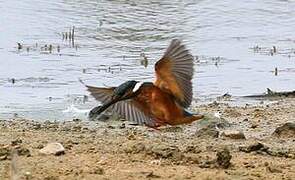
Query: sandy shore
pixel 239 145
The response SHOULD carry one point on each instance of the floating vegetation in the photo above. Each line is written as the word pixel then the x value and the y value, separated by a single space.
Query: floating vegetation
pixel 218 60
pixel 274 50
pixel 75 99
pixel 43 49
pixel 58 48
pixel 69 36
pixel 19 46
pixel 50 48
pixel 115 68
pixel 273 94
pixel 144 62
pixel 30 79
pixel 12 80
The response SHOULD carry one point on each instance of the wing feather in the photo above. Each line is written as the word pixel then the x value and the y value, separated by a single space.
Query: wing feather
pixel 174 72
pixel 127 109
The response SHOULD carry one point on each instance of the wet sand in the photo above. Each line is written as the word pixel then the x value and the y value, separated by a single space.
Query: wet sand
pixel 208 149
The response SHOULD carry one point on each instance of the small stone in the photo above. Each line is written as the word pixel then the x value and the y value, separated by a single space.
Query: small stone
pixel 110 127
pixel 122 126
pixel 98 170
pixel 192 158
pixel 16 142
pixel 233 134
pixel 256 146
pixel 223 158
pixel 77 120
pixel 246 120
pixel 173 129
pixel 165 152
pixel 232 112
pixel 285 131
pixel 4 157
pixel 208 164
pixel 51 178
pixel 40 146
pixel 273 169
pixel 156 162
pixel 192 149
pixel 92 150
pixel 28 175
pixel 133 147
pixel 250 166
pixel 21 151
pixel 131 136
pixel 149 174
pixel 207 132
pixel 77 128
pixel 37 126
pixel 253 125
pixel 4 151
pixel 53 148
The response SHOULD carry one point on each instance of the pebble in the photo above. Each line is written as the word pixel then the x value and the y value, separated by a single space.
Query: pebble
pixel 28 175
pixel 223 158
pixel 133 147
pixel 22 151
pixel 193 149
pixel 4 152
pixel 253 125
pixel 4 157
pixel 98 170
pixel 273 169
pixel 156 162
pixel 53 148
pixel 285 131
pixel 207 132
pixel 192 158
pixel 256 146
pixel 163 151
pixel 16 142
pixel 233 134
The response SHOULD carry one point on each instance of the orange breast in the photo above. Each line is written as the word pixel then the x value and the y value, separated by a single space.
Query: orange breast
pixel 159 104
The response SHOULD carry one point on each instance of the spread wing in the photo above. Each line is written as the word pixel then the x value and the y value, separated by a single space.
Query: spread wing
pixel 127 109
pixel 174 72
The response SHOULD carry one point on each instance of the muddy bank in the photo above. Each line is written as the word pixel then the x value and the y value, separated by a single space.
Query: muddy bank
pixel 250 142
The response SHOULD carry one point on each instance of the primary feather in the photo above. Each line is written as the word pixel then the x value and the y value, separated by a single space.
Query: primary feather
pixel 174 72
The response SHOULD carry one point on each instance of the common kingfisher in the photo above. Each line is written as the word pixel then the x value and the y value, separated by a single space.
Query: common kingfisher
pixel 162 102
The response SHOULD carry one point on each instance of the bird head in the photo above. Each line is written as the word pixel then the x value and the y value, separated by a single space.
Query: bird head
pixel 125 91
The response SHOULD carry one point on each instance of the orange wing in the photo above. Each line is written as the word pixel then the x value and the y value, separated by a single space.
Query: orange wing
pixel 174 72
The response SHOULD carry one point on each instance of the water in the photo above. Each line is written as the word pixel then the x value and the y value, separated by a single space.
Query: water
pixel 110 37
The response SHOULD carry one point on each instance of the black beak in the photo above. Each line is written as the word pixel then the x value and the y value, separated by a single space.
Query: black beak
pixel 99 109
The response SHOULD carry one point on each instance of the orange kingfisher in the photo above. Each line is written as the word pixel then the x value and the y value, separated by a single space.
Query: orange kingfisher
pixel 162 102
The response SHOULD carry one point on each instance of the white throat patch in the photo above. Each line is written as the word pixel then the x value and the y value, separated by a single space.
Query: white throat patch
pixel 137 86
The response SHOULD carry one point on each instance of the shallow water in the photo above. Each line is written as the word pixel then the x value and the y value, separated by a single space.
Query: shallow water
pixel 110 37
